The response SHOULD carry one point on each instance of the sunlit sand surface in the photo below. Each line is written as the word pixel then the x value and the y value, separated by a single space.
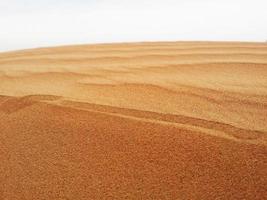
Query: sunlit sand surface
pixel 173 120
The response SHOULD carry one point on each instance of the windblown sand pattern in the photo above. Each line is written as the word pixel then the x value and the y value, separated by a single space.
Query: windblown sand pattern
pixel 173 120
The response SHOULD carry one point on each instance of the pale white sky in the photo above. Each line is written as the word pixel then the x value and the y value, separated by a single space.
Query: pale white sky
pixel 37 23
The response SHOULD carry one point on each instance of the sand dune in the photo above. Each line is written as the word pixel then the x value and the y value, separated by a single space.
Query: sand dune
pixel 181 120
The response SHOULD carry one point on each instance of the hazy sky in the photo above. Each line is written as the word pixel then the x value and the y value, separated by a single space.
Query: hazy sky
pixel 35 23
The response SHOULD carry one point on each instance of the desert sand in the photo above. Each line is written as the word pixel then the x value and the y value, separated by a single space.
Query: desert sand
pixel 163 120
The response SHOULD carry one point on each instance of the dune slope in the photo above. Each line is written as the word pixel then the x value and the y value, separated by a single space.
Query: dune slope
pixel 173 120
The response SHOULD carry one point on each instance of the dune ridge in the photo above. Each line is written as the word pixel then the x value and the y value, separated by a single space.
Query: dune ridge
pixel 173 120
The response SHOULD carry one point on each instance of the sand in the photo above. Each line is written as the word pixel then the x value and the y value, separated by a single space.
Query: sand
pixel 163 120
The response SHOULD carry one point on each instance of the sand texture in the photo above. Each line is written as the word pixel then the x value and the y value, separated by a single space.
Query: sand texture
pixel 169 120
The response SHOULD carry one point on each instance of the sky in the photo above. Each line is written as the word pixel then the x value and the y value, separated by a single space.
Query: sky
pixel 41 23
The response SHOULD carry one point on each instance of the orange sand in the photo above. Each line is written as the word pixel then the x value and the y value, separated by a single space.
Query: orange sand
pixel 177 120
